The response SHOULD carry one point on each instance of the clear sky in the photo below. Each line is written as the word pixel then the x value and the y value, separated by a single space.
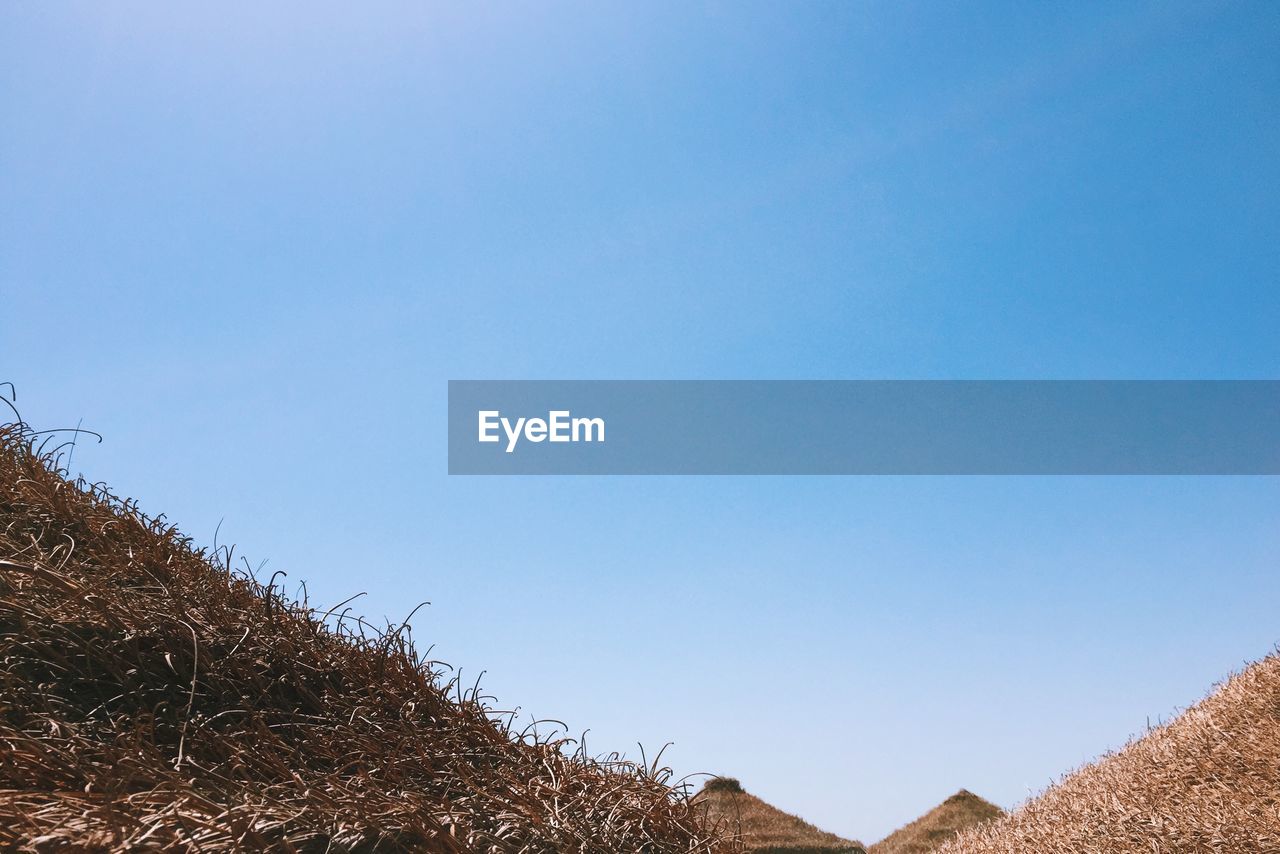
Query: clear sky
pixel 250 244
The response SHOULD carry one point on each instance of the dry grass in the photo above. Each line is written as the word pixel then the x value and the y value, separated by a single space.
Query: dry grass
pixel 152 698
pixel 961 811
pixel 762 828
pixel 1207 782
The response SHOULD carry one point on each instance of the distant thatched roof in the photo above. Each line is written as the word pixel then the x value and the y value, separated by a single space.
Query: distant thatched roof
pixel 762 828
pixel 959 812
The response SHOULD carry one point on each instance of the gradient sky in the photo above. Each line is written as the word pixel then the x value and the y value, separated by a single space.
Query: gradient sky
pixel 250 245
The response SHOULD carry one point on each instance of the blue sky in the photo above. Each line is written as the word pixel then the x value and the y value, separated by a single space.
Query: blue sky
pixel 250 246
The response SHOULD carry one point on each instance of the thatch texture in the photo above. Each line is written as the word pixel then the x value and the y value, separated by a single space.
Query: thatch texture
pixel 151 697
pixel 1207 782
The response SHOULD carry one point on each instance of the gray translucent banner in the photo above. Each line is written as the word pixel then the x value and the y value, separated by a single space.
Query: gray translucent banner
pixel 864 427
